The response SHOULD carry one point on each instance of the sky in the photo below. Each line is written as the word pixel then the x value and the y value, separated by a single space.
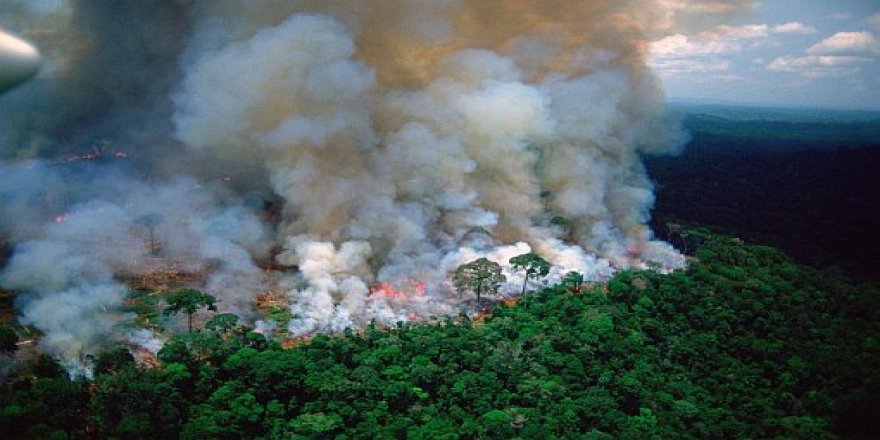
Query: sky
pixel 813 53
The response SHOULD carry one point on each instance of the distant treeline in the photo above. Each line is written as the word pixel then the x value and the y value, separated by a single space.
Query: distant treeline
pixel 811 189
pixel 783 136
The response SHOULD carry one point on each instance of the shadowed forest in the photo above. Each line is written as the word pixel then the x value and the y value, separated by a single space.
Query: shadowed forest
pixel 804 181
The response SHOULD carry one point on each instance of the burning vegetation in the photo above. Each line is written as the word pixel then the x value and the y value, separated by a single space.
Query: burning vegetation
pixel 318 166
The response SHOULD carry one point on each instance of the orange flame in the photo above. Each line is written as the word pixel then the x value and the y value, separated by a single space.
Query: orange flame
pixel 96 152
pixel 410 288
pixel 386 290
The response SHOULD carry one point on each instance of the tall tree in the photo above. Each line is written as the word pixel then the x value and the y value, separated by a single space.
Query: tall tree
pixel 573 279
pixel 532 264
pixel 478 276
pixel 188 301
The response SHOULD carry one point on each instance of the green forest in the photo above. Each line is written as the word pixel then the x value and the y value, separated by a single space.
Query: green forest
pixel 744 343
pixel 439 220
pixel 815 199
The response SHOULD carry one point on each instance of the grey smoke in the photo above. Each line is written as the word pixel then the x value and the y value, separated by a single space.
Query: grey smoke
pixel 400 138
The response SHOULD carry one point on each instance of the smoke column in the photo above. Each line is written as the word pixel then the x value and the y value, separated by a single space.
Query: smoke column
pixel 396 139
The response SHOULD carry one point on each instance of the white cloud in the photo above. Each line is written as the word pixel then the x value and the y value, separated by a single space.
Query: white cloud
pixel 848 44
pixel 680 45
pixel 689 66
pixel 795 64
pixel 814 66
pixel 843 55
pixel 703 53
pixel 793 27
pixel 721 39
pixel 842 15
pixel 744 32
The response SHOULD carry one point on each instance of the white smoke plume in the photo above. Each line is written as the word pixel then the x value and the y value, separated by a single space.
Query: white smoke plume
pixel 375 145
pixel 70 271
pixel 400 158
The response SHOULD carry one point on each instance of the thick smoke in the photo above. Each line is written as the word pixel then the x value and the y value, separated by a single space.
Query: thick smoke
pixel 370 147
pixel 403 155
pixel 71 269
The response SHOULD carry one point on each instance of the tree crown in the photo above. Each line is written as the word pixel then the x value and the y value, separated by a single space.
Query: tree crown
pixel 531 263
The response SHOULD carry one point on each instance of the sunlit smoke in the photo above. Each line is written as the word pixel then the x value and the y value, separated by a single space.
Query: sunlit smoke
pixel 349 155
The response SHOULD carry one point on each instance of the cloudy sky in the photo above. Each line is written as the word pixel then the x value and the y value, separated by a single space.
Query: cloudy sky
pixel 817 53
pixel 785 52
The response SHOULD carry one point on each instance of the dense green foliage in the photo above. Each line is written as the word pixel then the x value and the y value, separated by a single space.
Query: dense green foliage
pixel 744 344
pixel 188 301
pixel 478 276
pixel 532 264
